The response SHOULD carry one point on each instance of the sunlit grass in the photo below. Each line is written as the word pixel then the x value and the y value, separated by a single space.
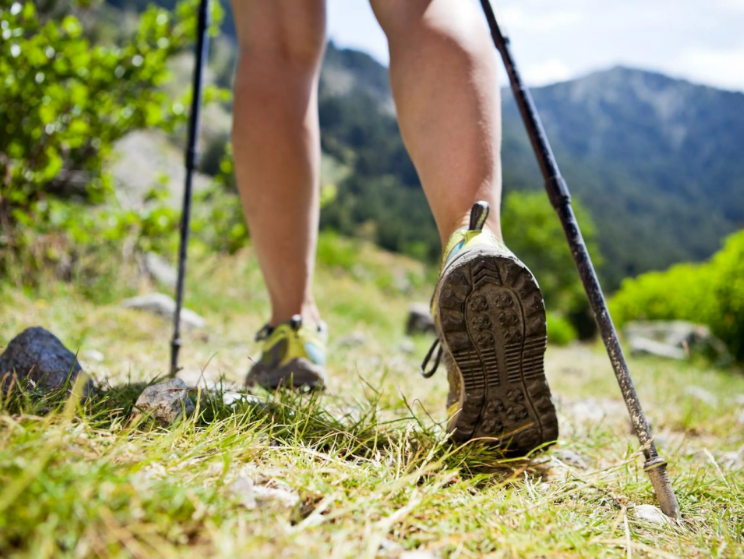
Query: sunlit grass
pixel 368 462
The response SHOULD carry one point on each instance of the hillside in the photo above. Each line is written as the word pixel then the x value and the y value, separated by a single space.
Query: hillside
pixel 363 470
pixel 653 158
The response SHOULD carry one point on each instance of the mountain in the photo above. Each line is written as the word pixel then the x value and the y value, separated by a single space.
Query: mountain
pixel 656 160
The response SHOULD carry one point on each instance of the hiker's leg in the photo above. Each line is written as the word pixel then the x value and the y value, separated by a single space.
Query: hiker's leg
pixel 276 143
pixel 443 73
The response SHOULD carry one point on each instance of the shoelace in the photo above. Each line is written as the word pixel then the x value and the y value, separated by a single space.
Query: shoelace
pixel 428 374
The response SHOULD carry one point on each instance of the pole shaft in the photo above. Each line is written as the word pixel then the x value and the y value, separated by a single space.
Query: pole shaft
pixel 561 201
pixel 202 52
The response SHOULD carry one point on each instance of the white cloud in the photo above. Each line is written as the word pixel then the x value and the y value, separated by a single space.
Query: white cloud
pixel 549 71
pixel 718 67
pixel 515 17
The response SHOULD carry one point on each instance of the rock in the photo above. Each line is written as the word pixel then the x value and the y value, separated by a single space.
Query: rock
pixel 684 336
pixel 93 355
pixel 252 495
pixel 166 401
pixel 644 346
pixel 592 410
pixel 650 514
pixel 355 339
pixel 164 305
pixel 37 358
pixel 420 320
pixel 407 346
pixel 732 460
pixel 701 395
pixel 160 270
pixel 570 458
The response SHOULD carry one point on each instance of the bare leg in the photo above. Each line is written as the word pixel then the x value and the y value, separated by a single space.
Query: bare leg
pixel 276 143
pixel 444 78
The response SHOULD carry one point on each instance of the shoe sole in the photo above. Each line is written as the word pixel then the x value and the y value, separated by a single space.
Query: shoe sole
pixel 492 317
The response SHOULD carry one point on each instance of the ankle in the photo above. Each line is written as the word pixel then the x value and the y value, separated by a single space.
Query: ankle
pixel 309 313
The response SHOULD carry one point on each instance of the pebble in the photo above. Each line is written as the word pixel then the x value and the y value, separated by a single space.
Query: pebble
pixel 701 395
pixel 166 401
pixel 650 514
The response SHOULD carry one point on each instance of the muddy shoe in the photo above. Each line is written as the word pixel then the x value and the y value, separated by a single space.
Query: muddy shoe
pixel 293 356
pixel 490 318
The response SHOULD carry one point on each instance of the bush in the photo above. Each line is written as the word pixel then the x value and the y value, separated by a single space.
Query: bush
pixel 711 293
pixel 560 330
pixel 534 232
pixel 65 102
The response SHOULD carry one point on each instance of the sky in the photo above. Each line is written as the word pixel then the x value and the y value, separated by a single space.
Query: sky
pixel 555 40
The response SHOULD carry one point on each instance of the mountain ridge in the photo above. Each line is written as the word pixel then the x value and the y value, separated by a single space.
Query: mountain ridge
pixel 653 157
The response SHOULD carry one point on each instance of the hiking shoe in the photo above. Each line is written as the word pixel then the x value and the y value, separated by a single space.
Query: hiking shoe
pixel 490 320
pixel 292 356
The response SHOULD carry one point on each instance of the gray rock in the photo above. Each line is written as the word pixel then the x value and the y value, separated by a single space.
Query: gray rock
pixel 355 339
pixel 159 269
pixel 701 395
pixel 420 320
pixel 592 410
pixel 164 305
pixel 252 495
pixel 37 358
pixel 166 401
pixel 570 458
pixel 407 346
pixel 93 355
pixel 732 460
pixel 645 346
pixel 650 514
pixel 684 336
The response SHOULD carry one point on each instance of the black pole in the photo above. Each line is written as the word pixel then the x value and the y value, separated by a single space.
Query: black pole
pixel 560 198
pixel 202 51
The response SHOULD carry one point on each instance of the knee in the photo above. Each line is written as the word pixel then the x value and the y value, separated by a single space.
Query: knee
pixel 280 38
pixel 283 51
pixel 455 22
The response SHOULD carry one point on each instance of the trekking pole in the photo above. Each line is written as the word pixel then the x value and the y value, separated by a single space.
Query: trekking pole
pixel 560 198
pixel 202 50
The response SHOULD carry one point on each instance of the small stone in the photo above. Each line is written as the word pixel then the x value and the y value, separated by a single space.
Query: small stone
pixel 420 320
pixel 166 401
pixel 252 495
pixel 571 458
pixel 650 514
pixel 37 358
pixel 701 395
pixel 242 488
pixel 644 346
pixel 355 339
pixel 731 460
pixel 592 410
pixel 93 355
pixel 164 305
pixel 407 346
pixel 160 270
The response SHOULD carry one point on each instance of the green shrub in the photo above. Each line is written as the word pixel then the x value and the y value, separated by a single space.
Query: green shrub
pixel 65 101
pixel 711 293
pixel 560 330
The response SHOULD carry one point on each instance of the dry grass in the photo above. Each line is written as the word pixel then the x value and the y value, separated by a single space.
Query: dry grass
pixel 366 462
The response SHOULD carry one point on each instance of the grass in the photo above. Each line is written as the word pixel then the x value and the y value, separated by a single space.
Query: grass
pixel 367 466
